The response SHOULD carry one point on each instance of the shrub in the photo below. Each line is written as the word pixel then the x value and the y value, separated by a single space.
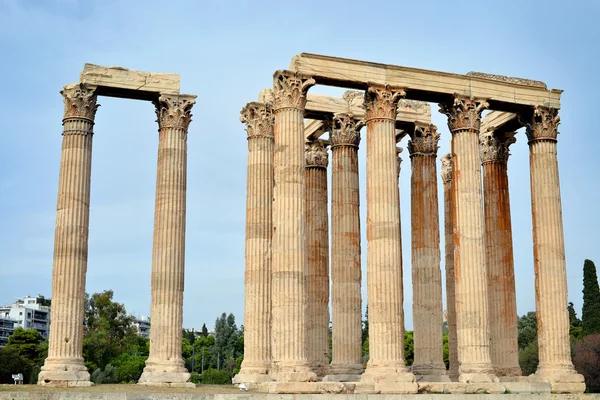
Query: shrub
pixel 587 361
pixel 195 377
pixel 215 377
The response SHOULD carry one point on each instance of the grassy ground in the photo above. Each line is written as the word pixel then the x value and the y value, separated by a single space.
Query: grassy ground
pixel 200 389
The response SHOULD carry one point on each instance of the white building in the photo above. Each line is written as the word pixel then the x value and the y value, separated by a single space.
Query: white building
pixel 142 324
pixel 27 313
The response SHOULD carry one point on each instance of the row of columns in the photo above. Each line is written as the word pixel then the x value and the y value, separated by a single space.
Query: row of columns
pixel 479 262
pixel 65 365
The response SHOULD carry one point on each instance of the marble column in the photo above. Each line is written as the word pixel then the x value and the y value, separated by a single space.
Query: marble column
pixel 165 365
pixel 449 250
pixel 64 365
pixel 346 304
pixel 502 308
pixel 555 364
pixel 401 275
pixel 258 118
pixel 317 247
pixel 289 259
pixel 464 120
pixel 425 245
pixel 386 344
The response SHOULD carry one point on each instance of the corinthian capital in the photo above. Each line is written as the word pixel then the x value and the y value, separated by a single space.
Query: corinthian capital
pixel 381 101
pixel 80 101
pixel 464 113
pixel 174 110
pixel 259 119
pixel 446 168
pixel 316 154
pixel 345 130
pixel 424 141
pixel 290 88
pixel 493 146
pixel 542 124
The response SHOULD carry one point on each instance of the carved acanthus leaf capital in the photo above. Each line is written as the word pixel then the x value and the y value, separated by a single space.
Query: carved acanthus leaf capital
pixel 493 146
pixel 80 101
pixel 316 154
pixel 259 119
pixel 424 141
pixel 174 110
pixel 381 101
pixel 543 124
pixel 446 168
pixel 464 113
pixel 290 88
pixel 345 130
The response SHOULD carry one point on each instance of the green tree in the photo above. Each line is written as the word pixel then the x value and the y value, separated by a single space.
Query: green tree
pixel 204 348
pixel 12 363
pixel 528 358
pixel 28 344
pixel 446 351
pixel 587 361
pixel 41 300
pixel 365 327
pixel 109 332
pixel 409 347
pixel 527 329
pixel 188 334
pixel 128 368
pixel 204 330
pixel 227 342
pixel 590 314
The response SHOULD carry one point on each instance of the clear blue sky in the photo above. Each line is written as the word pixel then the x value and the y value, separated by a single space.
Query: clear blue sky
pixel 226 52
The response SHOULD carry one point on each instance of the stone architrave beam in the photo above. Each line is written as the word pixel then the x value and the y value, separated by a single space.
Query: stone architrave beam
pixel 129 83
pixel 502 93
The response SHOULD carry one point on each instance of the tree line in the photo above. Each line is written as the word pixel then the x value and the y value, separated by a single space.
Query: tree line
pixel 115 353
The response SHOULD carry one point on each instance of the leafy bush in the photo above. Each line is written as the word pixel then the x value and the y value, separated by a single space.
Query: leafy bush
pixel 129 368
pixel 106 376
pixel 215 377
pixel 587 361
pixel 195 377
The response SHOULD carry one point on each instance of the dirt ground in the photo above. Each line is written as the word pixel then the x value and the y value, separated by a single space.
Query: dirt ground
pixel 124 388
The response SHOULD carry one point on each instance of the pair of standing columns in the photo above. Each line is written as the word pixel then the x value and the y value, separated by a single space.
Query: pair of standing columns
pixel 65 365
pixel 501 294
pixel 472 275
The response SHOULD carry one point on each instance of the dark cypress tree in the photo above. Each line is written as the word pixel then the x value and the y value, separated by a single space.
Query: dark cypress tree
pixel 590 314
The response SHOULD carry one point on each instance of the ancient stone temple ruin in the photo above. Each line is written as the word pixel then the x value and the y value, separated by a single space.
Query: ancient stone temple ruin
pixel 290 262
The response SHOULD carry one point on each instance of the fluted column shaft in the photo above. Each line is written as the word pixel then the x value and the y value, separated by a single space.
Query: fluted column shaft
pixel 165 363
pixel 317 247
pixel 346 276
pixel 504 347
pixel 289 259
pixel 425 244
pixel 64 365
pixel 259 229
pixel 469 250
pixel 549 255
pixel 449 250
pixel 386 344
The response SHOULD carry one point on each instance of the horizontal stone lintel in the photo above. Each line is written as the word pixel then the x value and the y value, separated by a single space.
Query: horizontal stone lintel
pixel 129 83
pixel 425 85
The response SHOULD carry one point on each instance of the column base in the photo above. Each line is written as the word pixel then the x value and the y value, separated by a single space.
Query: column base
pixel 345 369
pixel 563 380
pixel 64 372
pixel 477 373
pixel 172 374
pixel 388 374
pixel 508 371
pixel 431 372
pixel 250 376
pixel 320 369
pixel 342 378
pixel 300 372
